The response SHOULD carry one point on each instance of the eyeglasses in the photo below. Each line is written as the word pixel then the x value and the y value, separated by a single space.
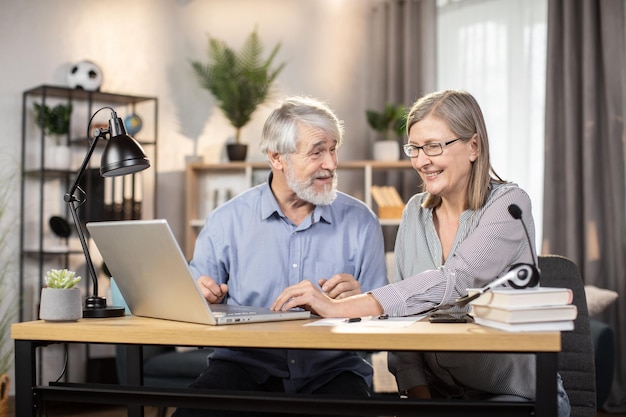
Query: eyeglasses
pixel 430 149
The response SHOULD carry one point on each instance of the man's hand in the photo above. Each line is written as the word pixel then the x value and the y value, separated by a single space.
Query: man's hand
pixel 211 290
pixel 340 286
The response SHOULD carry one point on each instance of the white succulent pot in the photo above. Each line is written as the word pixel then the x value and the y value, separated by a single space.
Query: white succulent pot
pixel 386 150
pixel 60 304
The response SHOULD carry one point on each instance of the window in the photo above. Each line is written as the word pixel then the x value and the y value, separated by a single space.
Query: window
pixel 496 50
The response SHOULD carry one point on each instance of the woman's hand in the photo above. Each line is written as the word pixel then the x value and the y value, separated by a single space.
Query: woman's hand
pixel 211 290
pixel 308 296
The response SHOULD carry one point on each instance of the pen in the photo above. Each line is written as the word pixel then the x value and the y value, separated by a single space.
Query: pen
pixel 353 320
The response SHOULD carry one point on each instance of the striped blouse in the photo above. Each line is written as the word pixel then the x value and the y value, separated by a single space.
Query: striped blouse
pixel 487 243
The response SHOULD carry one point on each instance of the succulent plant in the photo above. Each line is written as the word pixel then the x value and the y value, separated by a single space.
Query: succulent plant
pixel 61 278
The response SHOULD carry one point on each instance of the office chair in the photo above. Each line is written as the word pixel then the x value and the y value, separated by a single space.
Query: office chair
pixel 576 359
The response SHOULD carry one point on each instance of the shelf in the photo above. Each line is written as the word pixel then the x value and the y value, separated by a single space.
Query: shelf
pixel 51 252
pixel 390 222
pixel 87 142
pixel 78 94
pixel 48 172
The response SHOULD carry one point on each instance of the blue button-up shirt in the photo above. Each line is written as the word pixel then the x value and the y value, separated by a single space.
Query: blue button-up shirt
pixel 252 246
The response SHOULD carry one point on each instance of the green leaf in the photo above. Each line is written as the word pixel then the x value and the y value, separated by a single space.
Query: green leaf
pixel 238 80
pixel 391 121
pixel 61 278
pixel 55 120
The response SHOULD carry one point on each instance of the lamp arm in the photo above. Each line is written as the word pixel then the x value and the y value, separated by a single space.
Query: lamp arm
pixel 81 236
pixel 72 203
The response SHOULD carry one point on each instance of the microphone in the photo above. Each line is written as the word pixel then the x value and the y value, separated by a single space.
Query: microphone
pixel 519 276
pixel 516 212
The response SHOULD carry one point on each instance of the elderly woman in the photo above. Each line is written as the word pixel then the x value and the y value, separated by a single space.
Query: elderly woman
pixel 456 234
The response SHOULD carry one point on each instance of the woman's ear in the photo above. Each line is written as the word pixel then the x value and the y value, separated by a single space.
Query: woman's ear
pixel 474 148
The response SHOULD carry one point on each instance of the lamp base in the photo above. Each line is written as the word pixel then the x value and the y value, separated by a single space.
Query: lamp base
pixel 100 313
pixel 96 308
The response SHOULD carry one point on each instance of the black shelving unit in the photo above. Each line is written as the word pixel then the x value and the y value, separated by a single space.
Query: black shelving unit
pixel 43 185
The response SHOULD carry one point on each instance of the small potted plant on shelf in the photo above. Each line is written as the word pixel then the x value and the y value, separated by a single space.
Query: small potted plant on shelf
pixel 55 123
pixel 60 300
pixel 239 81
pixel 390 124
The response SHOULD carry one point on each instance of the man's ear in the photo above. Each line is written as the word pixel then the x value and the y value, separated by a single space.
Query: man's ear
pixel 276 160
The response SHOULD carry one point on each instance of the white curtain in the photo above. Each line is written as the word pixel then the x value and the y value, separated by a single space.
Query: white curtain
pixel 496 50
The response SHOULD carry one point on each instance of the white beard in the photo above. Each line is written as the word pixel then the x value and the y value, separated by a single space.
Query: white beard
pixel 305 190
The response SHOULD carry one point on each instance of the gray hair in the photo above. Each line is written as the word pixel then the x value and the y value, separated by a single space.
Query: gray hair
pixel 280 132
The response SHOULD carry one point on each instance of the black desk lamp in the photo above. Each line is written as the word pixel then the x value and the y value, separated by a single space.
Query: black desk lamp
pixel 122 155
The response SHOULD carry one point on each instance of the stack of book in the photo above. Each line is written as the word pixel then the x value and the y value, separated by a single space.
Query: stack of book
pixel 528 309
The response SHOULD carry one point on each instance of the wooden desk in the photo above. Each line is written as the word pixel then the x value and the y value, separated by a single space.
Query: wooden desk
pixel 137 331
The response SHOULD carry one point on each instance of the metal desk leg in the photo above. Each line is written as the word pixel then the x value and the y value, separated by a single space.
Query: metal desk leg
pixel 25 376
pixel 547 367
pixel 134 372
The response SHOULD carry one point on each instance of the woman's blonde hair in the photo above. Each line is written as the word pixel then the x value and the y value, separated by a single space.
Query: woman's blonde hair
pixel 460 111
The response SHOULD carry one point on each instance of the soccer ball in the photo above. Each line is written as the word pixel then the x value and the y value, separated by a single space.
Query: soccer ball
pixel 85 75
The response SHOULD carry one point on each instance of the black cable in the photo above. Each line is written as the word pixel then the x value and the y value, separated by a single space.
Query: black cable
pixel 65 361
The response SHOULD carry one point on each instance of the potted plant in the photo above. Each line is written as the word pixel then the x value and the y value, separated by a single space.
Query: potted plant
pixel 390 124
pixel 55 123
pixel 239 81
pixel 60 300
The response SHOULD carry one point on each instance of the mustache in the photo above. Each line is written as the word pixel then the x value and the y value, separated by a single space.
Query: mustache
pixel 324 174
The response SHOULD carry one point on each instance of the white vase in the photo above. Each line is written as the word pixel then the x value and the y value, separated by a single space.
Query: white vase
pixel 60 304
pixel 386 150
pixel 58 157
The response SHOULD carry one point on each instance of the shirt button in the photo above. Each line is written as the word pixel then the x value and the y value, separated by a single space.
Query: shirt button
pixel 294 265
pixel 293 361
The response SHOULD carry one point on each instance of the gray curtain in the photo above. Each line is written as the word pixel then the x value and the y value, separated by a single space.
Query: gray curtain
pixel 403 50
pixel 402 63
pixel 584 194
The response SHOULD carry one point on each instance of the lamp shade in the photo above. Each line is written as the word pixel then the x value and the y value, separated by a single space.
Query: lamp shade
pixel 122 155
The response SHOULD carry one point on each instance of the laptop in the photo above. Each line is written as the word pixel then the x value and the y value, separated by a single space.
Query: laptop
pixel 154 278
